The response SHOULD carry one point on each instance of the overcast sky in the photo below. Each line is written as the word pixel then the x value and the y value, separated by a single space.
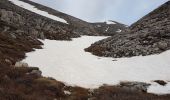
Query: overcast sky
pixel 124 11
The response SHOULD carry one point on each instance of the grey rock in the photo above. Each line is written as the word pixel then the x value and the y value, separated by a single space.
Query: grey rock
pixel 161 82
pixel 162 45
pixel 42 35
pixel 135 86
pixel 21 64
pixel 13 35
pixel 36 72
pixel 8 61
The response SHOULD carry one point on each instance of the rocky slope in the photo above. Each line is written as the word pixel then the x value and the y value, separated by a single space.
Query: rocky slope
pixel 32 24
pixel 149 35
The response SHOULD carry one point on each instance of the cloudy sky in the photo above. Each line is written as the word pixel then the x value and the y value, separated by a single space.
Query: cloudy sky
pixel 124 11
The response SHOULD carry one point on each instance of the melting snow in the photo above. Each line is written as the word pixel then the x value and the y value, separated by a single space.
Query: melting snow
pixel 67 92
pixel 68 62
pixel 99 26
pixel 110 22
pixel 35 10
pixel 119 30
pixel 107 29
pixel 158 89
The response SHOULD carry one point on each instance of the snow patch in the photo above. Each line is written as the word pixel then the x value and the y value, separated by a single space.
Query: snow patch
pixel 35 10
pixel 159 89
pixel 110 22
pixel 67 61
pixel 107 29
pixel 99 26
pixel 119 30
pixel 67 92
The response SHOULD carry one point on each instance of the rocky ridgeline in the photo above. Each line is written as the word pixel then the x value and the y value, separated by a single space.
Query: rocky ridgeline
pixel 82 27
pixel 149 35
pixel 109 28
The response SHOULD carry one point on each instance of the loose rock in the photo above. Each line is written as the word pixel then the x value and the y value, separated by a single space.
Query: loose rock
pixel 21 64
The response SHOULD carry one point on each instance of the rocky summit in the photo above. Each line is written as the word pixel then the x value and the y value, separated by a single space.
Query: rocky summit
pixel 149 35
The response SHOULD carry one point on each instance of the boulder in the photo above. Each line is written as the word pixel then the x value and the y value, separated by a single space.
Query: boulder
pixel 36 72
pixel 13 35
pixel 162 45
pixel 135 86
pixel 41 34
pixel 21 64
pixel 160 82
pixel 8 61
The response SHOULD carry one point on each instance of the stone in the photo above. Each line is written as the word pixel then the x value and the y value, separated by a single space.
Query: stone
pixel 42 35
pixel 135 86
pixel 13 36
pixel 5 29
pixel 8 61
pixel 160 82
pixel 36 72
pixel 162 45
pixel 21 64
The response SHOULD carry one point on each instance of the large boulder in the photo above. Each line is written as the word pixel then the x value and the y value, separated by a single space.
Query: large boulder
pixel 161 82
pixel 21 64
pixel 36 72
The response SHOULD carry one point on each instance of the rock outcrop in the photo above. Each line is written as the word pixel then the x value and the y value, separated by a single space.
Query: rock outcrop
pixel 21 64
pixel 161 82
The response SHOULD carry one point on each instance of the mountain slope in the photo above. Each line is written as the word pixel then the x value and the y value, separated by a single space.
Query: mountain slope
pixel 32 24
pixel 74 28
pixel 149 35
pixel 82 27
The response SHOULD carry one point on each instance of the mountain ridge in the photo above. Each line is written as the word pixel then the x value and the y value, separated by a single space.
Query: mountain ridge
pixel 81 27
pixel 149 35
